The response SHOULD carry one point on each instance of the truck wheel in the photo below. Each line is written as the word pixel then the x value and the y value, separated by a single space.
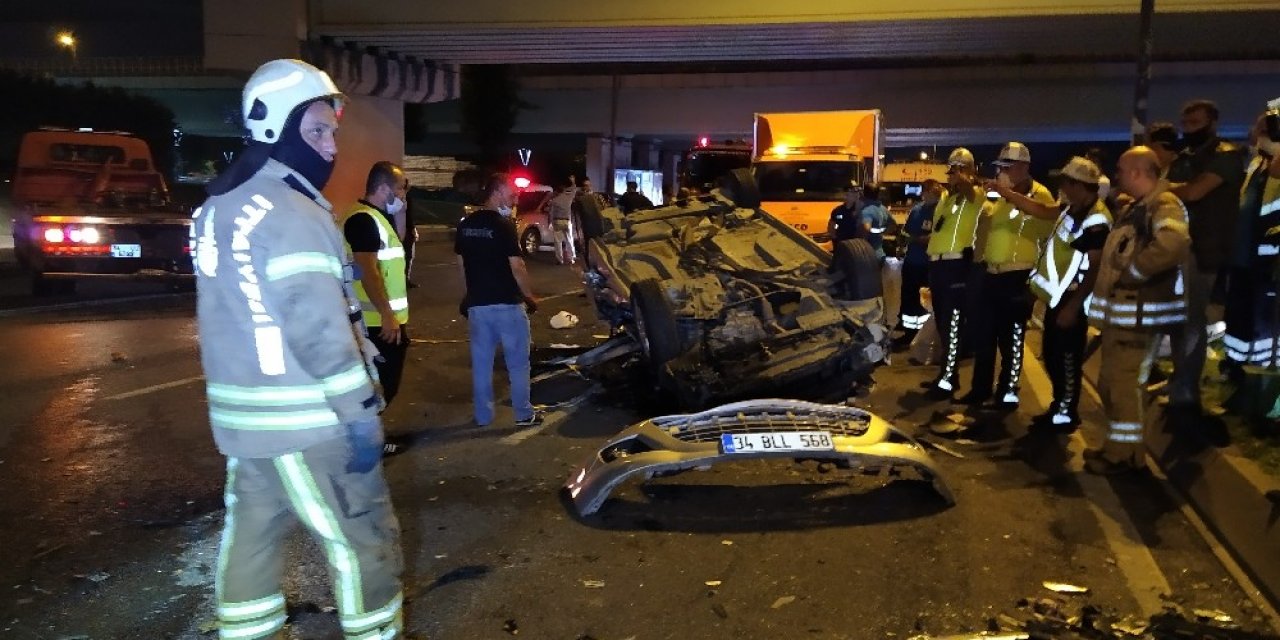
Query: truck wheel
pixel 655 323
pixel 530 241
pixel 741 188
pixel 860 265
pixel 42 286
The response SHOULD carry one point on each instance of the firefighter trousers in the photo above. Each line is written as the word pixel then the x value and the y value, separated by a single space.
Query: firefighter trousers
pixel 1000 323
pixel 349 514
pixel 1127 356
pixel 947 280
pixel 1063 353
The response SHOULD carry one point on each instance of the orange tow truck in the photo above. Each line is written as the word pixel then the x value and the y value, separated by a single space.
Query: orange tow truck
pixel 92 204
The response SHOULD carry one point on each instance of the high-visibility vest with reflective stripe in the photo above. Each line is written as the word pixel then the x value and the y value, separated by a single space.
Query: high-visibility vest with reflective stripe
pixel 1016 237
pixel 391 265
pixel 955 223
pixel 1061 266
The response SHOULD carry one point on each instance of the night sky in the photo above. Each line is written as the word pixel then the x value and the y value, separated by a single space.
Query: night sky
pixel 102 27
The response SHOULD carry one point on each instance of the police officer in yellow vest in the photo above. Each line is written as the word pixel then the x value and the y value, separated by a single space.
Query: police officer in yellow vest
pixel 382 287
pixel 1013 243
pixel 1139 296
pixel 955 224
pixel 1063 279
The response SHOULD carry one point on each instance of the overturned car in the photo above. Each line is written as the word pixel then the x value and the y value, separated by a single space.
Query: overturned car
pixel 849 436
pixel 728 302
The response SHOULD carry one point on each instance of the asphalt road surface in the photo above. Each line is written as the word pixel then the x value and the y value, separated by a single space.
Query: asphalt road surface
pixel 110 495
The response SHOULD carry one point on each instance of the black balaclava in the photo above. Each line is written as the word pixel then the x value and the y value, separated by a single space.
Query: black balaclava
pixel 295 153
pixel 290 149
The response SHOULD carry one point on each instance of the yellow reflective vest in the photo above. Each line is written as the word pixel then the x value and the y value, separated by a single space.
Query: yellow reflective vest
pixel 1061 266
pixel 1015 237
pixel 955 223
pixel 391 265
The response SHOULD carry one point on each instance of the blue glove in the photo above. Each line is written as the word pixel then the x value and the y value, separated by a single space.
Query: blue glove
pixel 366 441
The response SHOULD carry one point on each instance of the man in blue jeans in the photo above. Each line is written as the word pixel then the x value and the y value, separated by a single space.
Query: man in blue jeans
pixel 494 300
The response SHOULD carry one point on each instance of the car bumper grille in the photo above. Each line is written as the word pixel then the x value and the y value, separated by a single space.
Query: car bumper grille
pixel 708 426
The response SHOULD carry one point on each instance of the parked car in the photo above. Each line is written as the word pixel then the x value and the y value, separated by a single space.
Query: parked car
pixel 729 302
pixel 533 221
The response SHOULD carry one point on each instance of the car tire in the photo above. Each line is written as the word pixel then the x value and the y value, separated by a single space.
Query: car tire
pixel 530 241
pixel 742 189
pixel 591 219
pixel 857 261
pixel 656 324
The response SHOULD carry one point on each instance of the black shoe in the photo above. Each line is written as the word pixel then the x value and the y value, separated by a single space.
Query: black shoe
pixel 1099 465
pixel 973 398
pixel 1004 401
pixel 937 393
pixel 411 284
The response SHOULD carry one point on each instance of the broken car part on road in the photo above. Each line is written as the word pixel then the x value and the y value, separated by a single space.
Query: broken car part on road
pixel 749 430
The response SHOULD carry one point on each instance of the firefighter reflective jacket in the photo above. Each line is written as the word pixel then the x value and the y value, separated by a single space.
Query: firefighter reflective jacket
pixel 391 265
pixel 1061 267
pixel 1140 279
pixel 1014 237
pixel 285 359
pixel 955 223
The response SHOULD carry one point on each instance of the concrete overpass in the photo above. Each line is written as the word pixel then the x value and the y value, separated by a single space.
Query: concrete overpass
pixel 944 72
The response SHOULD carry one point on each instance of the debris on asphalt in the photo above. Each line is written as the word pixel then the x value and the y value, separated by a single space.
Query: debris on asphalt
pixel 564 320
pixel 593 584
pixel 782 602
pixel 1211 614
pixel 934 445
pixel 118 357
pixel 726 542
pixel 713 583
pixel 98 576
pixel 720 611
pixel 511 627
pixel 1062 587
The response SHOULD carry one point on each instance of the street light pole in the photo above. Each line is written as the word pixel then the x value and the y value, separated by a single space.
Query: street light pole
pixel 1142 90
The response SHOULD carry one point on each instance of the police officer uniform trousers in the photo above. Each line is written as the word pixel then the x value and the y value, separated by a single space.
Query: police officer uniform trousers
pixel 1063 354
pixel 947 279
pixel 349 514
pixel 1001 325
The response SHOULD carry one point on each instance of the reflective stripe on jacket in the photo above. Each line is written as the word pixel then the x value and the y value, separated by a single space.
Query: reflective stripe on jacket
pixel 285 359
pixel 1016 237
pixel 1061 267
pixel 1140 279
pixel 955 223
pixel 391 264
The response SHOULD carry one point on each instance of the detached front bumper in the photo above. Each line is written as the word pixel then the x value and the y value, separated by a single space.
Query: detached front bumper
pixel 670 444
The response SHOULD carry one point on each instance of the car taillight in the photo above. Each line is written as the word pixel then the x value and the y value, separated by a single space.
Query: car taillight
pixel 54 235
pixel 76 235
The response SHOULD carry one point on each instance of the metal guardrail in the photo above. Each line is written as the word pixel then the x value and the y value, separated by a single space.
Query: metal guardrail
pixel 108 66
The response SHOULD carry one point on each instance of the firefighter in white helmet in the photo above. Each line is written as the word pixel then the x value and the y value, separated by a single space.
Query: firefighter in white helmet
pixel 293 396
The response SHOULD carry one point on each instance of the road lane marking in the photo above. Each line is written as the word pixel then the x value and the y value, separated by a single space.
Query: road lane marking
pixel 1145 579
pixel 153 388
pixel 552 419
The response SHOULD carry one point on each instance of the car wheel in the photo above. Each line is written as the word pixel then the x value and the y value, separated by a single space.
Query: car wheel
pixel 858 262
pixel 741 188
pixel 655 323
pixel 530 241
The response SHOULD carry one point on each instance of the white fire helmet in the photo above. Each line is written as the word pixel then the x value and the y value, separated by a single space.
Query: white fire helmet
pixel 275 89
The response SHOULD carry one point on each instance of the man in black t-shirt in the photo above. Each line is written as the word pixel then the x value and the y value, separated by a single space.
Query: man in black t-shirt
pixel 495 296
pixel 633 200
pixel 1207 176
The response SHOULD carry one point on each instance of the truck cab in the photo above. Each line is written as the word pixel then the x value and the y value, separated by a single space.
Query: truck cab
pixel 805 161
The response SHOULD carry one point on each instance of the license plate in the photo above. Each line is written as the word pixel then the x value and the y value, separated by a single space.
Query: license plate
pixel 126 251
pixel 776 441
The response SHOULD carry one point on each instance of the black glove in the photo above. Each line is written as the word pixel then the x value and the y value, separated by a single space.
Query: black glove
pixel 530 305
pixel 365 438
pixel 462 308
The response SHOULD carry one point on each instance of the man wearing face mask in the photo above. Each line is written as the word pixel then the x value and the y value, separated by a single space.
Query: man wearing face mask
pixel 1206 175
pixel 288 371
pixel 1251 313
pixel 382 288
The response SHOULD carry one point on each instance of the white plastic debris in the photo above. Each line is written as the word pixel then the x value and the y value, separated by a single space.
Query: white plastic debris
pixel 564 320
pixel 1062 587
